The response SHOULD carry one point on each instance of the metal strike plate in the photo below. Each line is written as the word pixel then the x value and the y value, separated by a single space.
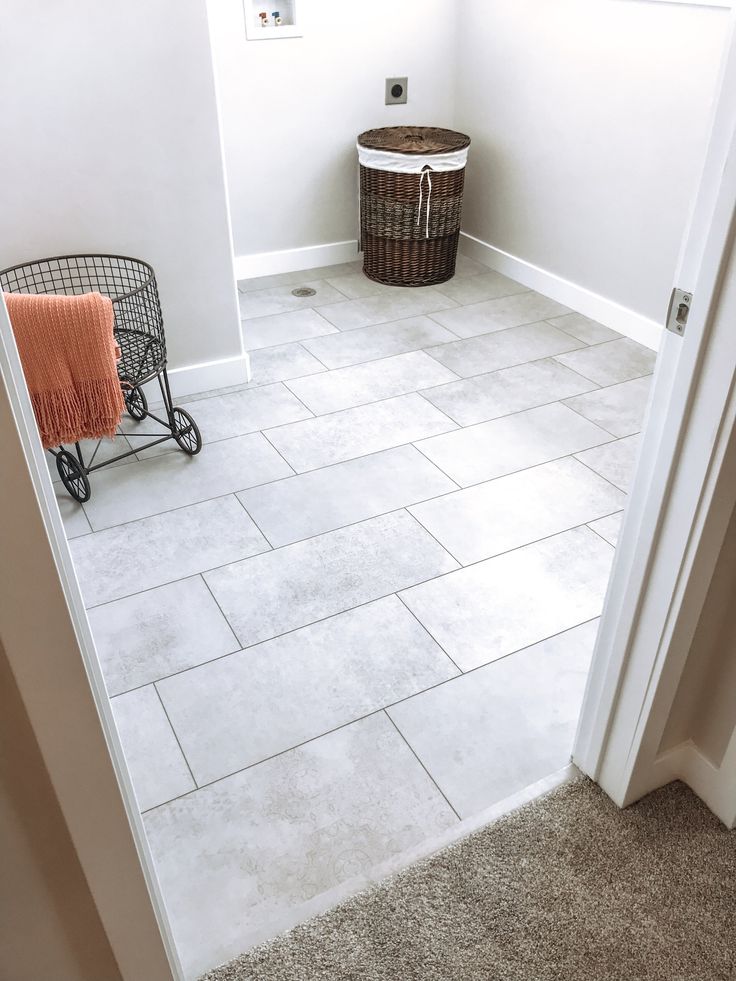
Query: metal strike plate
pixel 678 311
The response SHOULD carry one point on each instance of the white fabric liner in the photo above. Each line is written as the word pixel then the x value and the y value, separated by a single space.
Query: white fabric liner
pixel 411 163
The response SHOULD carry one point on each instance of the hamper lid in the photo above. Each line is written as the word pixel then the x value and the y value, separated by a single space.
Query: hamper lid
pixel 414 139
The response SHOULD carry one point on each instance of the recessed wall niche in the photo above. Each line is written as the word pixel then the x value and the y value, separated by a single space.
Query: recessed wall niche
pixel 272 20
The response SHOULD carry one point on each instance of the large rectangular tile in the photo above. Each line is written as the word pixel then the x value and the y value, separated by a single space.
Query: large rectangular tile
pixel 280 299
pixel 504 349
pixel 525 439
pixel 238 857
pixel 486 611
pixel 397 305
pixel 242 709
pixel 379 341
pixel 355 285
pixel 137 556
pixel 298 277
pixel 620 409
pixel 283 328
pixel 491 733
pixel 345 388
pixel 524 307
pixel 503 514
pixel 153 634
pixel 608 528
pixel 586 330
pixel 308 581
pixel 611 363
pixel 615 461
pixel 174 480
pixel 275 364
pixel 323 500
pixel 157 767
pixel 476 288
pixel 356 432
pixel 500 393
pixel 225 416
pixel 72 514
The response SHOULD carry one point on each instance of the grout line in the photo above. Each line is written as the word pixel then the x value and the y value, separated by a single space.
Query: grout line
pixel 602 538
pixel 596 472
pixel 368 715
pixel 429 460
pixel 312 414
pixel 419 761
pixel 434 640
pixel 237 498
pixel 577 412
pixel 176 737
pixel 443 547
pixel 441 411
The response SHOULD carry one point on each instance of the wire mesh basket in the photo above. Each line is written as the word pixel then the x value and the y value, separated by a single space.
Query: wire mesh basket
pixel 139 331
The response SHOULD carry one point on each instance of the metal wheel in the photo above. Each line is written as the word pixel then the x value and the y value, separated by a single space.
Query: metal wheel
pixel 136 403
pixel 186 432
pixel 73 476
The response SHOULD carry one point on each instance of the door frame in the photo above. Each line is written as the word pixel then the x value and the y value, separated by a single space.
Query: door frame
pixel 682 497
pixel 680 503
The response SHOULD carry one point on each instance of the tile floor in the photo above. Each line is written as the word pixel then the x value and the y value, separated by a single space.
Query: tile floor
pixel 366 611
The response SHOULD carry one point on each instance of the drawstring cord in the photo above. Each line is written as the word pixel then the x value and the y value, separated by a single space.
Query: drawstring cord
pixel 421 199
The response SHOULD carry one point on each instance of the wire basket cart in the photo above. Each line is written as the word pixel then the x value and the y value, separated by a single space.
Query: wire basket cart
pixel 131 286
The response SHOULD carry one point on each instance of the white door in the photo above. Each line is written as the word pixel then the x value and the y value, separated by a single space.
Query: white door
pixel 679 505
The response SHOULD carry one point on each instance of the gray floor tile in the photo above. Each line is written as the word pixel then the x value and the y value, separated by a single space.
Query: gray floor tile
pixel 244 708
pixel 465 266
pixel 283 328
pixel 486 611
pixel 504 349
pixel 620 409
pixel 274 364
pixel 519 509
pixel 310 504
pixel 225 416
pixel 153 634
pixel 502 446
pixel 308 581
pixel 475 288
pixel 348 387
pixel 356 286
pixel 298 277
pixel 387 307
pixel 585 329
pixel 175 480
pixel 356 432
pixel 380 341
pixel 525 307
pixel 609 528
pixel 72 514
pixel 280 299
pixel 157 767
pixel 500 393
pixel 96 451
pixel 491 733
pixel 612 362
pixel 164 548
pixel 258 845
pixel 614 461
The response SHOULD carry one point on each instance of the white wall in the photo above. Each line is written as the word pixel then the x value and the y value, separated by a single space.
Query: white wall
pixel 110 143
pixel 589 121
pixel 292 109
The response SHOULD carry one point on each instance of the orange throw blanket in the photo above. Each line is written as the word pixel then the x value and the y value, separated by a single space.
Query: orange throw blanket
pixel 68 352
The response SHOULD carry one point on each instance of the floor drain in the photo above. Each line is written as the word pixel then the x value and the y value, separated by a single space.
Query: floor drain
pixel 304 291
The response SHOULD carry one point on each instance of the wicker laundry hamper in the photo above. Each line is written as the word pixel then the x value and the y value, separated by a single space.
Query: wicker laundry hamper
pixel 411 197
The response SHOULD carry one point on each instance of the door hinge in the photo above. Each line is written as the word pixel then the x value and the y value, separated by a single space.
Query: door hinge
pixel 678 311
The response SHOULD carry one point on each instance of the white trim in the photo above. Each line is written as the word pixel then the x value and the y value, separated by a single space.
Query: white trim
pixel 295 260
pixel 205 377
pixel 578 298
pixel 685 762
pixel 696 3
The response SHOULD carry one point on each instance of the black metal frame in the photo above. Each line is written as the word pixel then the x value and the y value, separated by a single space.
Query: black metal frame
pixel 131 286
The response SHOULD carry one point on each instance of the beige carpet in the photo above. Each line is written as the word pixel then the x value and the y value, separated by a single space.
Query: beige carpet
pixel 566 889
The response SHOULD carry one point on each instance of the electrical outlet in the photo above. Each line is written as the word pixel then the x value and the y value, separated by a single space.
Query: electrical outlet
pixel 396 91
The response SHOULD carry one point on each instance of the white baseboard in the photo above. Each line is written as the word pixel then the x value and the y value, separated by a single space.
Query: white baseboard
pixel 196 378
pixel 714 785
pixel 578 298
pixel 294 260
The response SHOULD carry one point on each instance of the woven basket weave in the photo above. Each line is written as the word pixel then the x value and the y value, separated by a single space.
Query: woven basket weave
pixel 404 245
